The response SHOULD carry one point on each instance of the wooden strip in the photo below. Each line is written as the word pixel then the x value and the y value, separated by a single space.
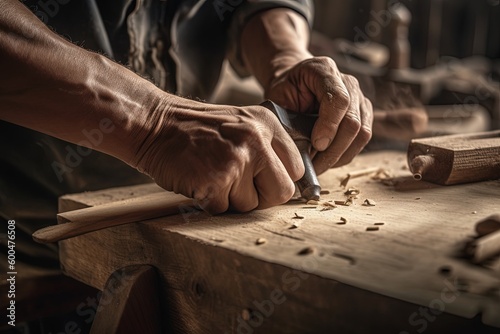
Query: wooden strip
pixel 78 222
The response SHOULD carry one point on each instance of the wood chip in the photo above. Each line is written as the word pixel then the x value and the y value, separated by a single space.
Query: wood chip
pixel 297 216
pixel 369 202
pixel 488 225
pixel 327 208
pixel 260 241
pixel 245 314
pixel 378 224
pixel 324 192
pixel 372 228
pixel 347 202
pixel 294 226
pixel 342 221
pixel 216 239
pixel 307 251
pixel 352 192
pixel 312 202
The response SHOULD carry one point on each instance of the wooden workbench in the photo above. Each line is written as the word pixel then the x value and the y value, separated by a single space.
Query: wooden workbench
pixel 316 274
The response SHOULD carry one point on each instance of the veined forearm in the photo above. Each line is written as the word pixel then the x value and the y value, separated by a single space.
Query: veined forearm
pixel 272 42
pixel 52 86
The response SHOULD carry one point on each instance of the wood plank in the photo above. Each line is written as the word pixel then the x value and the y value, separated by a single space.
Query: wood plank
pixel 456 159
pixel 212 269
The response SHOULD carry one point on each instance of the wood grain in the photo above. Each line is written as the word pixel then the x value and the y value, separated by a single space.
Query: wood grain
pixel 213 270
pixel 456 159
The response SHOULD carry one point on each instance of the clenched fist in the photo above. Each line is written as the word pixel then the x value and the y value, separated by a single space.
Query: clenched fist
pixel 223 156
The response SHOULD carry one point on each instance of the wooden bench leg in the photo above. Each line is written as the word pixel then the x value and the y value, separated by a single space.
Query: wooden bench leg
pixel 129 302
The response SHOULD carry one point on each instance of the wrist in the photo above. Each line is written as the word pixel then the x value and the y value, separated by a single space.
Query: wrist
pixel 282 62
pixel 272 42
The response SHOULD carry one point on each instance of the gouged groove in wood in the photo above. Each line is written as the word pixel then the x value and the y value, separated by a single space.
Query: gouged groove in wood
pixel 284 235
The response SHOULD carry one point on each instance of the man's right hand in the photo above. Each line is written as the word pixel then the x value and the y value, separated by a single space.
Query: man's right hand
pixel 223 156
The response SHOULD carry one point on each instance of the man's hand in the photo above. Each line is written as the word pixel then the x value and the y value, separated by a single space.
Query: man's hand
pixel 222 156
pixel 274 48
pixel 343 128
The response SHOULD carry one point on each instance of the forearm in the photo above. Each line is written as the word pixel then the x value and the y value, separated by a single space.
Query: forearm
pixel 272 42
pixel 52 86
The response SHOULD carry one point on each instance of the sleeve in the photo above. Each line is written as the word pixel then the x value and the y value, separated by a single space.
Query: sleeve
pixel 245 11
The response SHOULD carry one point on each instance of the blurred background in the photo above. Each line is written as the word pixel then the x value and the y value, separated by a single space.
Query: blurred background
pixel 430 67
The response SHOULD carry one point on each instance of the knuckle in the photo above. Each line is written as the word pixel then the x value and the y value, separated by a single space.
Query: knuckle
pixel 352 124
pixel 351 80
pixel 368 104
pixel 342 99
pixel 365 134
pixel 285 193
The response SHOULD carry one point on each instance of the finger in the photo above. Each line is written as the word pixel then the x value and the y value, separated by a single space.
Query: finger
pixel 334 99
pixel 243 196
pixel 213 196
pixel 272 181
pixel 289 155
pixel 363 137
pixel 347 132
pixel 284 146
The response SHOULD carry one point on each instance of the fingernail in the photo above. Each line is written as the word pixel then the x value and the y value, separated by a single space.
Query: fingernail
pixel 322 143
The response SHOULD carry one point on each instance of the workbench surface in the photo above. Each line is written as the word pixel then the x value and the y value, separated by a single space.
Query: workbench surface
pixel 377 270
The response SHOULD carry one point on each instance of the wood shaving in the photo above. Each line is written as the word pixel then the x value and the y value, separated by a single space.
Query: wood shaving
pixel 260 241
pixel 216 239
pixel 343 221
pixel 347 202
pixel 378 224
pixel 328 205
pixel 312 202
pixel 324 192
pixel 372 228
pixel 369 202
pixel 352 192
pixel 297 216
